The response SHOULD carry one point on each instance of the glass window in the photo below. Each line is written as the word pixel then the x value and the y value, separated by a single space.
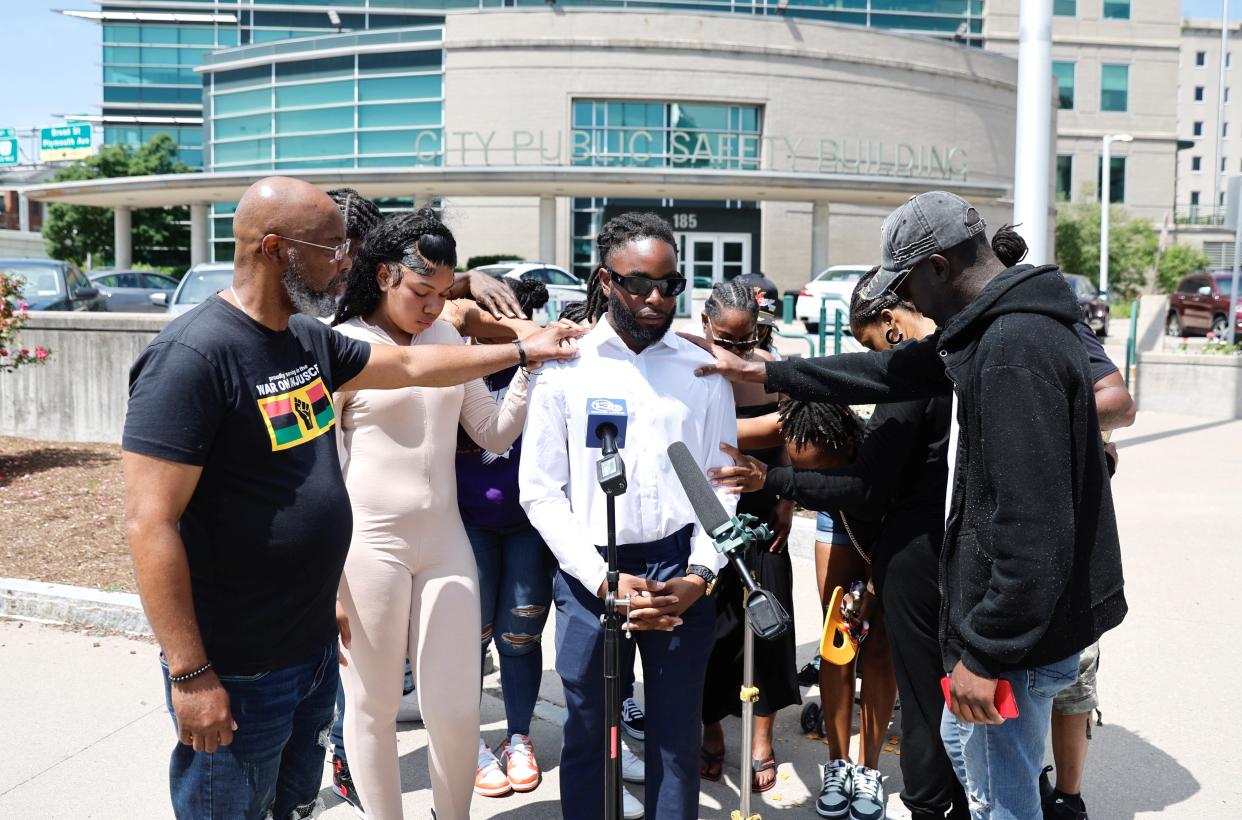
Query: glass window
pixel 1065 8
pixel 122 75
pixel 1064 72
pixel 1224 164
pixel 400 88
pixel 1200 58
pixel 258 125
pixel 320 145
pixel 1198 128
pixel 1198 93
pixel 122 34
pixel 1196 164
pixel 246 101
pixel 402 61
pixel 226 37
pixel 315 119
pixel 1065 177
pixel 122 54
pixel 1116 9
pixel 389 115
pixel 242 77
pixel 192 157
pixel 389 142
pixel 1194 197
pixel 1114 87
pixel 314 69
pixel 159 34
pixel 1224 129
pixel 293 96
pixel 1116 179
pixel 248 151
pixel 1226 94
pixel 196 36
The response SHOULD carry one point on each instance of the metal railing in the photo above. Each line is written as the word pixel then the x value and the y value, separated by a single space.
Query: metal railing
pixel 817 342
pixel 1199 215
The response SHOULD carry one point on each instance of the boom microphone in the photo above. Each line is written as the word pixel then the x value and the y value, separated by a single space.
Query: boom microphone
pixel 732 535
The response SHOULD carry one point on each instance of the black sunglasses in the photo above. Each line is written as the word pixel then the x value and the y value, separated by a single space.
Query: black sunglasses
pixel 636 285
pixel 740 348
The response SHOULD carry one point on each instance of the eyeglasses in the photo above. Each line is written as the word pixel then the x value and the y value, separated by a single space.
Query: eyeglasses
pixel 339 252
pixel 741 347
pixel 637 285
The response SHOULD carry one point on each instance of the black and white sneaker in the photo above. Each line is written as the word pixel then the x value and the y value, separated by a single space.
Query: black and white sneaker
pixel 837 791
pixel 867 802
pixel 633 720
pixel 343 786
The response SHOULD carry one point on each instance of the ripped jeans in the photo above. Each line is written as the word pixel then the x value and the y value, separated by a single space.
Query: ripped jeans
pixel 515 592
pixel 274 766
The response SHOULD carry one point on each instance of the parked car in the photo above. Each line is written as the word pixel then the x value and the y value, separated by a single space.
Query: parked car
pixel 199 282
pixel 563 286
pixel 129 291
pixel 1199 304
pixel 837 281
pixel 1094 307
pixel 54 285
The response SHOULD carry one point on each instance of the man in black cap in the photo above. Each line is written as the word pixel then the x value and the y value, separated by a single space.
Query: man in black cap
pixel 1031 565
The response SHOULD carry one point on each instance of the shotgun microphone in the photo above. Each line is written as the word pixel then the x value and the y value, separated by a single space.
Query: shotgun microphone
pixel 732 535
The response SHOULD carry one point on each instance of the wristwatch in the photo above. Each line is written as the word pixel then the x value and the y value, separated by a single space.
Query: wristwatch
pixel 706 574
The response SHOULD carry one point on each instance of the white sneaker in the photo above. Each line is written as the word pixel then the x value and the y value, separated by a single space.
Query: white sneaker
pixel 631 809
pixel 517 756
pixel 633 770
pixel 408 711
pixel 489 779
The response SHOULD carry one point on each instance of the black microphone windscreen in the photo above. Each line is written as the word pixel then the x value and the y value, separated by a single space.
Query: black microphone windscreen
pixel 707 507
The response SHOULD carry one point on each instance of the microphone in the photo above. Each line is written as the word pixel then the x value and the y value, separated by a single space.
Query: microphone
pixel 732 535
pixel 605 429
pixel 600 414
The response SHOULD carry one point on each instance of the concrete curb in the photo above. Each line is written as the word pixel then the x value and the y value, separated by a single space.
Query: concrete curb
pixel 77 606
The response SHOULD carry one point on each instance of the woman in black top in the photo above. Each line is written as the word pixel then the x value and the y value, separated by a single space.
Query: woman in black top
pixel 730 320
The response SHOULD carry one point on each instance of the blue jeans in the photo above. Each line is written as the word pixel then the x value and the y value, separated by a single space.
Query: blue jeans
pixel 673 663
pixel 274 765
pixel 338 725
pixel 515 591
pixel 999 765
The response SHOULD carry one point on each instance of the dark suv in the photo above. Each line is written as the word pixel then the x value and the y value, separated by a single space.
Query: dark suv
pixel 1201 304
pixel 52 285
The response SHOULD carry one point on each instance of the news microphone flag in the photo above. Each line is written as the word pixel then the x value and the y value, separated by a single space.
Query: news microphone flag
pixel 605 411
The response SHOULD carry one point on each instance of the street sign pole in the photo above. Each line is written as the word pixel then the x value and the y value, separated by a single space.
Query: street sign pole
pixel 1233 204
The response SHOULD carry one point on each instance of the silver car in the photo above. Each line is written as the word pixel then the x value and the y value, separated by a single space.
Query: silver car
pixel 199 283
pixel 563 286
pixel 130 291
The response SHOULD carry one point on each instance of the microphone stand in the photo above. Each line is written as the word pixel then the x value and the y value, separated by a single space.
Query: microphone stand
pixel 610 471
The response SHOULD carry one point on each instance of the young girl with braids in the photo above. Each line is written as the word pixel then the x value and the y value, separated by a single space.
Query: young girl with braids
pixel 899 476
pixel 730 319
pixel 410 586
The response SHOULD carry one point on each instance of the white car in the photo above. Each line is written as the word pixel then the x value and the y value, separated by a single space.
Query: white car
pixel 199 283
pixel 837 283
pixel 563 287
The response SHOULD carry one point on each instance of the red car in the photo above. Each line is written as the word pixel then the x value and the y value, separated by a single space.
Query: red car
pixel 1201 304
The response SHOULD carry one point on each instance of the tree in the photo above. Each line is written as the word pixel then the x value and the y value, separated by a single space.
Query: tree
pixel 161 236
pixel 1133 243
pixel 1179 261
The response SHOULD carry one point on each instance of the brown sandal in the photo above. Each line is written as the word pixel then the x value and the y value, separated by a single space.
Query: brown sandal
pixel 711 764
pixel 758 767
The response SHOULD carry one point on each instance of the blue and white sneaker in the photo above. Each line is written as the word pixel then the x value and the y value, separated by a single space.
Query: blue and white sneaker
pixel 838 790
pixel 867 802
pixel 633 720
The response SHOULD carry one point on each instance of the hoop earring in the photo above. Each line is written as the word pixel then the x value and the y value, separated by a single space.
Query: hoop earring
pixel 888 336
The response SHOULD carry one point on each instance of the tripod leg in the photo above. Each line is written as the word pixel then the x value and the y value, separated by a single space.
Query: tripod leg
pixel 749 695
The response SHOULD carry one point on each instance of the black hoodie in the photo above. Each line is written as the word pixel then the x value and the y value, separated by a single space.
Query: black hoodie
pixel 1030 570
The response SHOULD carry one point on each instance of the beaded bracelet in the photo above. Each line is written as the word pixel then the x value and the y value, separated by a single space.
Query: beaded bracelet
pixel 190 675
pixel 521 352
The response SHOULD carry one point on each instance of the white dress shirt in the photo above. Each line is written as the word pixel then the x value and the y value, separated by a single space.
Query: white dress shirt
pixel 666 402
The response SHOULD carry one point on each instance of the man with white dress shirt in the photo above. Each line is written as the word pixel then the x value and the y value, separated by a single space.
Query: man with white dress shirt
pixel 667 563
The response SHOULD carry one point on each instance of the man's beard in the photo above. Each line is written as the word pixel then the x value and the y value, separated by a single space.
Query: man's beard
pixel 304 298
pixel 627 324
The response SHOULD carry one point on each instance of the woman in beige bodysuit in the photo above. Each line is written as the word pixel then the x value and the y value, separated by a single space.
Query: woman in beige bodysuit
pixel 410 586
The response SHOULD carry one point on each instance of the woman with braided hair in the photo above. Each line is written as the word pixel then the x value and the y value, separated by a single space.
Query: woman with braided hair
pixel 410 585
pixel 730 319
pixel 897 478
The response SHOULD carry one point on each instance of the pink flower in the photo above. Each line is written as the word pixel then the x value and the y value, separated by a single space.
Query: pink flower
pixel 21 305
pixel 4 354
pixel 25 351
pixel 40 352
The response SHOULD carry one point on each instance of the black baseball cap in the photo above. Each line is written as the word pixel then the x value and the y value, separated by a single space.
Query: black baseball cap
pixel 766 294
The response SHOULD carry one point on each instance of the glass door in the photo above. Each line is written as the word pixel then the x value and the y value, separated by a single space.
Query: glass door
pixel 706 259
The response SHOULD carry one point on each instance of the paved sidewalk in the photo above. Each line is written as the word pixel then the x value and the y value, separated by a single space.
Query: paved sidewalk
pixel 86 734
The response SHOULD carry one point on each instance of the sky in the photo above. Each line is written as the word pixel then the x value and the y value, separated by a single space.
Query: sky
pixel 53 60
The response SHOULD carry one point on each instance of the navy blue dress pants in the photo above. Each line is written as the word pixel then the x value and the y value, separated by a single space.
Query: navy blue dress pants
pixel 673 667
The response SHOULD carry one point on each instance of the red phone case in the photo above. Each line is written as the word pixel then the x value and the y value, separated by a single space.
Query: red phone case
pixel 1005 703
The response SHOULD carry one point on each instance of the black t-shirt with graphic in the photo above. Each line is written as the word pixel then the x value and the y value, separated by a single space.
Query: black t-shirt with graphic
pixel 269 524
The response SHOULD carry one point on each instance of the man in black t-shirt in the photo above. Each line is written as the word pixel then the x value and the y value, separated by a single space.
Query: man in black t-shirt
pixel 237 514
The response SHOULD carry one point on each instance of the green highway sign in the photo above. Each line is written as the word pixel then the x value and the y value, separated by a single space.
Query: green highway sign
pixel 8 132
pixel 63 142
pixel 8 148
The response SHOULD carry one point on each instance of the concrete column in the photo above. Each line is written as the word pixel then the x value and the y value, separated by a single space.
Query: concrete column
pixel 819 238
pixel 23 212
pixel 198 233
pixel 123 237
pixel 547 229
pixel 1032 179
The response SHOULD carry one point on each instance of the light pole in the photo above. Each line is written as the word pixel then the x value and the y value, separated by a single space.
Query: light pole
pixel 1105 180
pixel 1033 135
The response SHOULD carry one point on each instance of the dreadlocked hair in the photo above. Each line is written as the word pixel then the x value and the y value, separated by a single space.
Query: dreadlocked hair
pixel 591 308
pixel 864 311
pixel 630 227
pixel 731 296
pixel 390 242
pixel 1009 246
pixel 361 214
pixel 531 294
pixel 821 425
